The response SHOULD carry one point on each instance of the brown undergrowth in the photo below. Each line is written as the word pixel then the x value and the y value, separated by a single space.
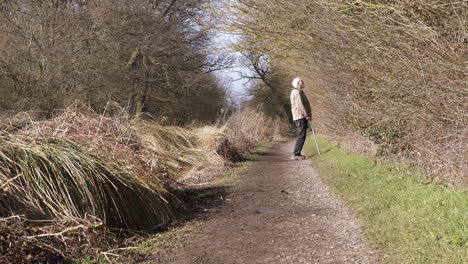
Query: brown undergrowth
pixel 65 182
pixel 393 71
pixel 22 241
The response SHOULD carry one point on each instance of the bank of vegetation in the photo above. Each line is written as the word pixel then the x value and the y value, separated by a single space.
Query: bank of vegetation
pixel 71 184
pixel 389 77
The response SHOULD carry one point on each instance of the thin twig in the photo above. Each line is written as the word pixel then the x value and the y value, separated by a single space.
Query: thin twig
pixel 109 252
pixel 11 217
pixel 59 233
pixel 10 180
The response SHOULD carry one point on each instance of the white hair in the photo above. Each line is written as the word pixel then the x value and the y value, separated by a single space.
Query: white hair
pixel 296 81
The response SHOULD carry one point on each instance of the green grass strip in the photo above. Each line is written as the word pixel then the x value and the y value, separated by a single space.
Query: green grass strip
pixel 406 218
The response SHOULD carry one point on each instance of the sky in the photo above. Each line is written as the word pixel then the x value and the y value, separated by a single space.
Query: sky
pixel 231 78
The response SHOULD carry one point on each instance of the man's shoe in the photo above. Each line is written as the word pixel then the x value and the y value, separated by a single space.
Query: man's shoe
pixel 298 157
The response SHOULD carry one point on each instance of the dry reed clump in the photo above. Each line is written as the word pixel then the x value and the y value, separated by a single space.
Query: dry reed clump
pixel 59 179
pixel 216 139
pixel 170 150
pixel 59 167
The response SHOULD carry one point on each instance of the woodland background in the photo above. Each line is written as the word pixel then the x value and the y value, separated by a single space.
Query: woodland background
pixel 109 109
pixel 386 77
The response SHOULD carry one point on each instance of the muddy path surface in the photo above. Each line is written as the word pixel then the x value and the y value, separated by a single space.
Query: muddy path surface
pixel 279 212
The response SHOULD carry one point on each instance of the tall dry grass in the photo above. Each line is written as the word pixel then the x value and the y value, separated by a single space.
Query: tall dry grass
pixel 51 178
pixel 81 163
pixel 117 169
pixel 170 151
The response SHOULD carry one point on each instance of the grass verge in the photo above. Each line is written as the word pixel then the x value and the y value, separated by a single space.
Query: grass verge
pixel 166 239
pixel 406 218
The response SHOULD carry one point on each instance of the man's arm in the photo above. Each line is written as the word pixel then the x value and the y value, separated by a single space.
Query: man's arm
pixel 306 106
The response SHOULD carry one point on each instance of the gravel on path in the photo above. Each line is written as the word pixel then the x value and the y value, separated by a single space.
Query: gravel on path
pixel 280 212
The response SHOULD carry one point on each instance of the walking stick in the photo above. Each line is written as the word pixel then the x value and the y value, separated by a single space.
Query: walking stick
pixel 315 138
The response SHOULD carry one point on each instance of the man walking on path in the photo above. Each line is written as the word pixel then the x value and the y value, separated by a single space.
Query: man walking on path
pixel 301 113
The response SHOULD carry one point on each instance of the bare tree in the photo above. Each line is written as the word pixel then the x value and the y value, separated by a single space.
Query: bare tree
pixel 146 54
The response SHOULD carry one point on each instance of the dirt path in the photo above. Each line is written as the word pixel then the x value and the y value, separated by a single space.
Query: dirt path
pixel 281 212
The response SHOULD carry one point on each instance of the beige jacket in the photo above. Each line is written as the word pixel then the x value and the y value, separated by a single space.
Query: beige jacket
pixel 300 106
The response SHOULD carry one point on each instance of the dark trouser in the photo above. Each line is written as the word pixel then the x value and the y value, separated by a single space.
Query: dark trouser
pixel 301 135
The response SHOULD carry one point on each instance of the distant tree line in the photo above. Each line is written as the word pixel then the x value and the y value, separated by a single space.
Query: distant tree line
pixel 148 55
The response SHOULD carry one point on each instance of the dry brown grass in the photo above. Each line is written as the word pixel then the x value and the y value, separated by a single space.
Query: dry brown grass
pixel 81 165
pixel 173 151
pixel 58 179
